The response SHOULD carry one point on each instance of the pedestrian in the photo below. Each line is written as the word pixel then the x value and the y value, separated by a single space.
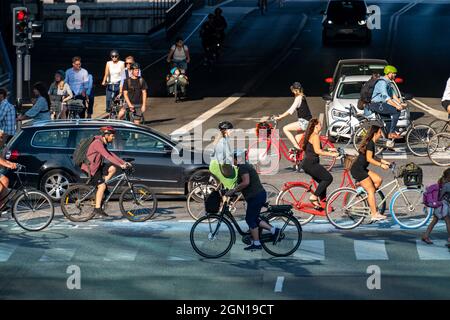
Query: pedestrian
pixel 135 93
pixel 446 98
pixel 7 118
pixel 61 93
pixel 41 107
pixel 112 77
pixel 78 78
pixel 179 55
pixel 90 96
pixel 442 212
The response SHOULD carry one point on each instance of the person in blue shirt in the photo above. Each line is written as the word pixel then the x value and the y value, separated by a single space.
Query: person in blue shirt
pixel 7 118
pixel 384 101
pixel 78 78
pixel 41 107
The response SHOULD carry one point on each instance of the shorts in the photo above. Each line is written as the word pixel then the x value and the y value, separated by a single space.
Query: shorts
pixel 138 111
pixel 358 173
pixel 303 124
pixel 98 177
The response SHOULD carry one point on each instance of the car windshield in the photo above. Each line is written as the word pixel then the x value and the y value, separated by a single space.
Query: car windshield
pixel 361 69
pixel 349 90
pixel 338 9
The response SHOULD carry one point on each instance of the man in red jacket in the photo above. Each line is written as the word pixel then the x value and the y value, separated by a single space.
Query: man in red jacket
pixel 96 152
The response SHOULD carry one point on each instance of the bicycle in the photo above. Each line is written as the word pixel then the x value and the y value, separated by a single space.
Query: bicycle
pixel 114 109
pixel 32 209
pixel 137 202
pixel 213 235
pixel 195 199
pixel 274 147
pixel 132 116
pixel 75 107
pixel 438 149
pixel 297 193
pixel 440 125
pixel 347 208
pixel 344 130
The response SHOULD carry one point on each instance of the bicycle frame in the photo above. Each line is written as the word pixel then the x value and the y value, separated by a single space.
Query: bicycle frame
pixel 16 189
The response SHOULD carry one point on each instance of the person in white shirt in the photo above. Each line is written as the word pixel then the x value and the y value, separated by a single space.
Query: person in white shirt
pixel 446 98
pixel 179 55
pixel 113 77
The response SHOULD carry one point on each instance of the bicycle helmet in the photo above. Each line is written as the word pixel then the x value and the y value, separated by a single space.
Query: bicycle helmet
pixel 61 73
pixel 296 85
pixel 225 125
pixel 390 69
pixel 135 66
pixel 107 130
pixel 114 53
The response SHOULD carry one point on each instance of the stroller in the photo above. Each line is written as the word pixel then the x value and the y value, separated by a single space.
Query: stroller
pixel 177 83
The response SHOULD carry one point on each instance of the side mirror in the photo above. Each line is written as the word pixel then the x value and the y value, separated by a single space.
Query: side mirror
pixel 408 96
pixel 327 97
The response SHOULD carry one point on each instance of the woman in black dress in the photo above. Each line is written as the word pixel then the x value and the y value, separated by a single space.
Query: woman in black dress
pixel 368 179
pixel 311 163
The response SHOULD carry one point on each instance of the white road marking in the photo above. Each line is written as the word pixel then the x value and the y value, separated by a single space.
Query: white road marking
pixel 6 251
pixel 58 254
pixel 311 250
pixel 279 284
pixel 436 251
pixel 440 114
pixel 399 154
pixel 119 254
pixel 208 114
pixel 370 250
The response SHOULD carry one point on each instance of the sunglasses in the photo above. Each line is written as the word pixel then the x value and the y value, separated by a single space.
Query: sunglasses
pixel 114 56
pixel 128 62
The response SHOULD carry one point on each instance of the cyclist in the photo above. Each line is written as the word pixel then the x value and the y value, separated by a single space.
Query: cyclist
pixel 220 24
pixel 41 106
pixel 126 73
pixel 77 79
pixel 303 114
pixel 112 77
pixel 96 153
pixel 368 179
pixel 179 55
pixel 255 196
pixel 176 74
pixel 384 101
pixel 446 98
pixel 135 93
pixel 311 164
pixel 209 37
pixel 62 90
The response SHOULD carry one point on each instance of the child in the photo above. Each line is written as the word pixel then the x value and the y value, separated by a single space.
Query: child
pixel 176 74
pixel 442 212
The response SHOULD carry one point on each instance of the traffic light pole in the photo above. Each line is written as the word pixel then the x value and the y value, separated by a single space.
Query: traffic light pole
pixel 19 75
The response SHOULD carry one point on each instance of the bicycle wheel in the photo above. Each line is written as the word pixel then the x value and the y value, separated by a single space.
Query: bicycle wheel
pixel 439 125
pixel 340 131
pixel 298 197
pixel 439 149
pixel 407 208
pixel 290 235
pixel 138 203
pixel 212 236
pixel 417 139
pixel 195 204
pixel 346 208
pixel 33 210
pixel 358 138
pixel 78 203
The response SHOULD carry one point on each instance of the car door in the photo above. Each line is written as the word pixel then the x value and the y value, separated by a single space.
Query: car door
pixel 152 158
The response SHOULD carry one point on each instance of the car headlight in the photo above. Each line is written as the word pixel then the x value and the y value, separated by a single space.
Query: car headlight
pixel 362 22
pixel 330 22
pixel 338 114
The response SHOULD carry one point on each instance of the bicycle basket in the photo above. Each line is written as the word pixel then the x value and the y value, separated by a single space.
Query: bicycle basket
pixel 412 175
pixel 213 202
pixel 264 127
pixel 348 161
pixel 76 105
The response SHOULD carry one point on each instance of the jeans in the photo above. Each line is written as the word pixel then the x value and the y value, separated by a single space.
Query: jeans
pixel 386 109
pixel 180 64
pixel 112 90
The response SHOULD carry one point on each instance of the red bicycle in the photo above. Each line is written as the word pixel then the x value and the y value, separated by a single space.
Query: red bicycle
pixel 266 152
pixel 297 193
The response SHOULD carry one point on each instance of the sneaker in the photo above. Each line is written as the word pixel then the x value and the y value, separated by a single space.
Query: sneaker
pixel 253 247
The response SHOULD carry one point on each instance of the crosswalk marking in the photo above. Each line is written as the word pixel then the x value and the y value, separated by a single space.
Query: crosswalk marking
pixel 398 154
pixel 436 251
pixel 119 254
pixel 311 250
pixel 58 255
pixel 279 284
pixel 6 250
pixel 370 250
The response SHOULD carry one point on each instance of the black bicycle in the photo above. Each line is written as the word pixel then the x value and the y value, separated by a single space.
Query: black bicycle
pixel 75 108
pixel 114 108
pixel 213 235
pixel 137 202
pixel 133 116
pixel 32 209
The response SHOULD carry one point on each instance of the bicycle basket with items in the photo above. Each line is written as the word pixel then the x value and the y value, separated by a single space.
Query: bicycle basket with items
pixel 412 175
pixel 264 128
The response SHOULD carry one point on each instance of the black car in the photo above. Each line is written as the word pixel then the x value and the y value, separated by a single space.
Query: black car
pixel 46 149
pixel 344 20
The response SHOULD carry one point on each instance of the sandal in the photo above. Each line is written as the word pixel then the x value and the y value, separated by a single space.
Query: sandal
pixel 316 203
pixel 427 240
pixel 377 218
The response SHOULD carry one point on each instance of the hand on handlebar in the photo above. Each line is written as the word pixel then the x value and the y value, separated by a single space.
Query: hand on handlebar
pixel 384 166
pixel 13 165
pixel 126 165
pixel 230 193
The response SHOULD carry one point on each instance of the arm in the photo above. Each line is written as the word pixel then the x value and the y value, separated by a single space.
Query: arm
pixel 34 111
pixel 106 75
pixel 318 149
pixel 144 100
pixel 69 93
pixel 297 102
pixel 244 184
pixel 122 79
pixel 7 164
pixel 127 99
pixel 169 56
pixel 100 148
pixel 85 83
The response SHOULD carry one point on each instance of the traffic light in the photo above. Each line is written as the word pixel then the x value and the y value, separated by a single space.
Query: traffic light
pixel 34 30
pixel 20 26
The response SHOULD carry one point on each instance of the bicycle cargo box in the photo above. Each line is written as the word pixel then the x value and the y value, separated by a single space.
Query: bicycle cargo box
pixel 412 175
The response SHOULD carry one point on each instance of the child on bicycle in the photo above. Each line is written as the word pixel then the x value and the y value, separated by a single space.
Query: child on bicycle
pixel 368 179
pixel 255 196
pixel 444 211
pixel 176 74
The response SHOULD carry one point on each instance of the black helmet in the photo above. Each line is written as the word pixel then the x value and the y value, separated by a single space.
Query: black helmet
pixel 135 66
pixel 297 85
pixel 225 125
pixel 114 53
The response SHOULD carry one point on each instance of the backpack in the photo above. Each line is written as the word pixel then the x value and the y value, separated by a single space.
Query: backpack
pixel 80 153
pixel 366 93
pixel 213 201
pixel 431 196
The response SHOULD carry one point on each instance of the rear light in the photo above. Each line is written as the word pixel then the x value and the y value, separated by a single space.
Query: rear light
pixel 12 155
pixel 329 80
pixel 398 80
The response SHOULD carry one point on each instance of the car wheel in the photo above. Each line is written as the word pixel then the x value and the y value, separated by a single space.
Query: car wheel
pixel 55 183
